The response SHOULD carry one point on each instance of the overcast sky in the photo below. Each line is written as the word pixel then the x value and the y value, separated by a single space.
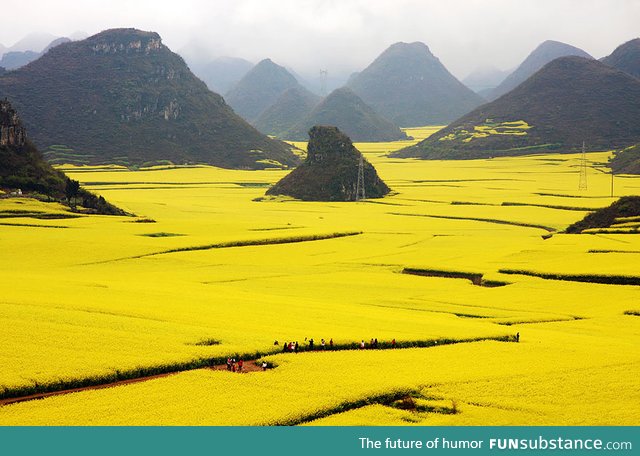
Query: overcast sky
pixel 343 35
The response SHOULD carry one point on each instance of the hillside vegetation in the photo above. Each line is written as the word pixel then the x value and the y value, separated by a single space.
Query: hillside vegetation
pixel 123 97
pixel 570 101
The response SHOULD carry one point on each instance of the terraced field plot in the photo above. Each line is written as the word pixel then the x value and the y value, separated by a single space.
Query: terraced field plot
pixel 205 271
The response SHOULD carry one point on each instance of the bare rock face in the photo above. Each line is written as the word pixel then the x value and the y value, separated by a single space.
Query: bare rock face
pixel 23 168
pixel 127 42
pixel 12 133
pixel 330 172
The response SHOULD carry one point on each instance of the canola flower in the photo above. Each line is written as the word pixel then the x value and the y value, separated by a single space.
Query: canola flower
pixel 73 309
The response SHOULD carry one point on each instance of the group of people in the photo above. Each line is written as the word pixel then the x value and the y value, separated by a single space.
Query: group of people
pixel 234 366
pixel 294 347
pixel 238 366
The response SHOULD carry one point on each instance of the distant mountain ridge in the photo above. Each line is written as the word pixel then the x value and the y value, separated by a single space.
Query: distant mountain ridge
pixel 409 86
pixel 222 73
pixel 539 57
pixel 16 59
pixel 259 89
pixel 342 108
pixel 626 57
pixel 121 96
pixel 570 100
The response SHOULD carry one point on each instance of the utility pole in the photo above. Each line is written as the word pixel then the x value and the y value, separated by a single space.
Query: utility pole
pixel 582 185
pixel 360 194
pixel 611 182
pixel 323 82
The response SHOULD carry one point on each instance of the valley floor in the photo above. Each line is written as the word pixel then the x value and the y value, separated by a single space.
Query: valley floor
pixel 208 269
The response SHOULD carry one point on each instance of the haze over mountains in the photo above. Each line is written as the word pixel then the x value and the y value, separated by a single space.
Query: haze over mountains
pixel 16 59
pixel 408 85
pixel 485 79
pixel 122 96
pixel 132 104
pixel 222 73
pixel 570 100
pixel 259 89
pixel 539 57
pixel 35 42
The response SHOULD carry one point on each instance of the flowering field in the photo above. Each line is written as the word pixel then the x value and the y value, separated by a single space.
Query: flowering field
pixel 207 270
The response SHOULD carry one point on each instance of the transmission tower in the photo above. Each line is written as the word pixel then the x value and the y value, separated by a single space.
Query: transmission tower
pixel 360 195
pixel 323 82
pixel 582 185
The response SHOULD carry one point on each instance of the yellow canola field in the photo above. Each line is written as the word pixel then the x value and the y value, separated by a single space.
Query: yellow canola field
pixel 96 298
pixel 539 384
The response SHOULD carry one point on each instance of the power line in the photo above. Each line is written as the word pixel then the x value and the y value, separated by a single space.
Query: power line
pixel 323 82
pixel 360 194
pixel 582 185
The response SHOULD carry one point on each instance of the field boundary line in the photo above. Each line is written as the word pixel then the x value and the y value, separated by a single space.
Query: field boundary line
pixel 479 219
pixel 232 244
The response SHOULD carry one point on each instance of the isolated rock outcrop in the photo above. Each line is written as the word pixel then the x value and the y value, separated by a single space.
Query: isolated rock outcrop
pixel 330 172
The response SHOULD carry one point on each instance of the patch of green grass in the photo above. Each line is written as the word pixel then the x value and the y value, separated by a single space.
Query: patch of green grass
pixel 160 234
pixel 474 277
pixel 478 219
pixel 589 278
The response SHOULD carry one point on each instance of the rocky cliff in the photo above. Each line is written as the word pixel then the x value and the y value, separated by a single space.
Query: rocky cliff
pixel 12 133
pixel 23 167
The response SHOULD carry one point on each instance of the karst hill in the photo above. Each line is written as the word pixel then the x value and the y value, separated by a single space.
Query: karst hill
pixel 409 85
pixel 626 57
pixel 330 171
pixel 569 101
pixel 344 109
pixel 546 52
pixel 122 96
pixel 259 89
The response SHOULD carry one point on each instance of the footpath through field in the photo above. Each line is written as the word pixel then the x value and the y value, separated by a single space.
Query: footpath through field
pixel 249 365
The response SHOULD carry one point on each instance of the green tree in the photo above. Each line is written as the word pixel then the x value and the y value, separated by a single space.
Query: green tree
pixel 71 190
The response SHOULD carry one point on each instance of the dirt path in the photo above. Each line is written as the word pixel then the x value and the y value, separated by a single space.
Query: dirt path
pixel 249 366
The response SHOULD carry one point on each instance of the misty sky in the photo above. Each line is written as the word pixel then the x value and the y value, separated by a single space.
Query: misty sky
pixel 343 35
